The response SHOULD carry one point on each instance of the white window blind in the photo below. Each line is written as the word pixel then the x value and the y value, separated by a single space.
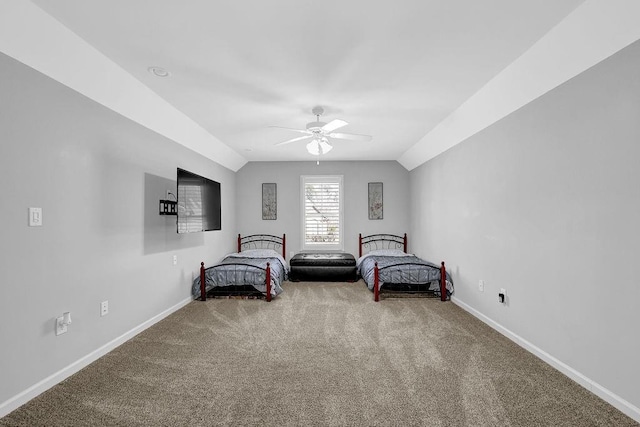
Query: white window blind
pixel 322 212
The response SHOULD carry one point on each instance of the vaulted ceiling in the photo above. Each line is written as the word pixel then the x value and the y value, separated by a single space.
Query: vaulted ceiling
pixel 416 75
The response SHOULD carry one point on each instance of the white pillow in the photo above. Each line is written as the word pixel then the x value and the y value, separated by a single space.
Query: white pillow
pixel 389 252
pixel 259 253
pixel 382 252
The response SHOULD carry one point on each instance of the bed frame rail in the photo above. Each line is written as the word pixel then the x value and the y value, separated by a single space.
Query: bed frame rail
pixel 203 285
pixel 443 282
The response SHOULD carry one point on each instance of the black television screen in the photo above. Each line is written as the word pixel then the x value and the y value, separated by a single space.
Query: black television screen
pixel 199 207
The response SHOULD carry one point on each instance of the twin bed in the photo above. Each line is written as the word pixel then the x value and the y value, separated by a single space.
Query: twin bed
pixel 386 267
pixel 259 268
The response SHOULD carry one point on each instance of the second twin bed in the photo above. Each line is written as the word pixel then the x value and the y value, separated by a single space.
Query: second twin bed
pixel 386 267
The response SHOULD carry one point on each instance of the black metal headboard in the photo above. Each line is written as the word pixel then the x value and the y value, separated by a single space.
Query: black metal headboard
pixel 381 241
pixel 263 241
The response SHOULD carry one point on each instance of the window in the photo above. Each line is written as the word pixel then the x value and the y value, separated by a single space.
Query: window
pixel 322 212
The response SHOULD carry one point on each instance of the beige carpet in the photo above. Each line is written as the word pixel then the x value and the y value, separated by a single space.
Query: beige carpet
pixel 320 354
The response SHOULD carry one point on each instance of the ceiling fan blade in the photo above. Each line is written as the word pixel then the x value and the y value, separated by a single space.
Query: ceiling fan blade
pixel 333 125
pixel 351 136
pixel 295 130
pixel 300 138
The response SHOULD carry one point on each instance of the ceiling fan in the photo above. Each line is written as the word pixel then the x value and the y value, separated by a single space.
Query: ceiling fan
pixel 320 134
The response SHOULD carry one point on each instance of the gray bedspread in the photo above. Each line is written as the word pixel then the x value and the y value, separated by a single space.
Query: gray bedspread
pixel 237 270
pixel 407 269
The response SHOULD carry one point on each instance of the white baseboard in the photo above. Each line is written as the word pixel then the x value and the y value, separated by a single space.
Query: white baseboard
pixel 33 391
pixel 603 393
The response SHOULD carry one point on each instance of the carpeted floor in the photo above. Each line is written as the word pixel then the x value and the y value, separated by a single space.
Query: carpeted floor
pixel 319 354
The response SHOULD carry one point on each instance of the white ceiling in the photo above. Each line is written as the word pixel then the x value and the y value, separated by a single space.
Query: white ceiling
pixel 393 70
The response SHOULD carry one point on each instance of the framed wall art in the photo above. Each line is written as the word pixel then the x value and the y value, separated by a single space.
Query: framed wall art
pixel 269 201
pixel 375 200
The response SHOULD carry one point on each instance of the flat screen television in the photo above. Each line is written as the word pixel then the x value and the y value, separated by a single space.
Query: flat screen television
pixel 199 207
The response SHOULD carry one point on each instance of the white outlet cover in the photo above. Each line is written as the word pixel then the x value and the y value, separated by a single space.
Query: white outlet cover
pixel 35 217
pixel 481 285
pixel 61 328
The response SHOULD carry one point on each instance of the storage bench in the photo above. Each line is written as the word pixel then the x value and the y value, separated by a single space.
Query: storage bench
pixel 325 267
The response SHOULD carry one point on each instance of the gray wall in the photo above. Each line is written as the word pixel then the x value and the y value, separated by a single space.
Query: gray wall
pixel 546 204
pixel 357 175
pixel 98 178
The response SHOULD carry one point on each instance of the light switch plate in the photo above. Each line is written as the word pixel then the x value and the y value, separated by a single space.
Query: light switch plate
pixel 35 217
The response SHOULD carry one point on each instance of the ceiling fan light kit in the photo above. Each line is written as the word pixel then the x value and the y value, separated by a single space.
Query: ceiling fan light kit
pixel 319 147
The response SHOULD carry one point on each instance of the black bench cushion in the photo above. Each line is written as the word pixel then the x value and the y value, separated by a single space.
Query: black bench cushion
pixel 323 267
pixel 323 260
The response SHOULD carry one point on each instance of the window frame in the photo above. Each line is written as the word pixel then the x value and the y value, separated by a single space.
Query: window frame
pixel 315 247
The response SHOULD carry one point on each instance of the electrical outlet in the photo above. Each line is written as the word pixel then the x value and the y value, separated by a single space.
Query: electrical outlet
pixel 61 327
pixel 62 322
pixel 35 217
pixel 502 296
pixel 104 308
pixel 175 260
pixel 481 285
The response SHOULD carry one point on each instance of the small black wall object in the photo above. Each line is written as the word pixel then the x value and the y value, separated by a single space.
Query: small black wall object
pixel 168 207
pixel 501 298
